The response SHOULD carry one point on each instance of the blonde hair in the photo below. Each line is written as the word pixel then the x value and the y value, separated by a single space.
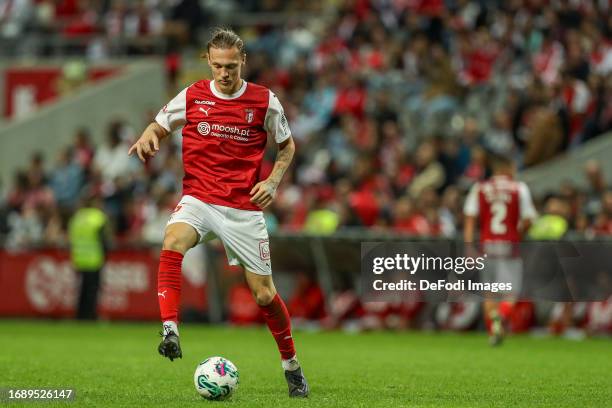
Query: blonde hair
pixel 225 38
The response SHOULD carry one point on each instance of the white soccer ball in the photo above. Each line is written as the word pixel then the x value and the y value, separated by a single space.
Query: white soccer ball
pixel 216 378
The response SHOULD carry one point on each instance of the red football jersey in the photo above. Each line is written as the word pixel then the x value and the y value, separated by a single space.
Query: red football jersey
pixel 224 138
pixel 500 204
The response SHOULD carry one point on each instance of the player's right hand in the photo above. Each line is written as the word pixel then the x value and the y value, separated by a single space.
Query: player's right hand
pixel 147 146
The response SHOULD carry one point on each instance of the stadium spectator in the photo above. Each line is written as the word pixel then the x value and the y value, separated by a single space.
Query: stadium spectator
pixel 603 220
pixel 83 149
pixel 143 23
pixel 544 136
pixel 110 159
pixel 26 228
pixel 185 17
pixel 599 315
pixel 242 309
pixel 157 217
pixel 80 18
pixel 430 173
pixel 498 139
pixel 596 187
pixel 16 195
pixel 407 220
pixel 66 179
pixel 476 168
pixel 114 19
pixel 38 194
pixel 450 212
pixel 553 223
pixel 321 220
pixel 307 303
pixel 345 311
pixel 470 136
pixel 36 167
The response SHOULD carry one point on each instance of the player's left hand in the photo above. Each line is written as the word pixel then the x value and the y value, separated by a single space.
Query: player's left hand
pixel 263 193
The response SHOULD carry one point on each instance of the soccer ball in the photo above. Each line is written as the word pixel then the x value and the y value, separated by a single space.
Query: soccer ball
pixel 216 378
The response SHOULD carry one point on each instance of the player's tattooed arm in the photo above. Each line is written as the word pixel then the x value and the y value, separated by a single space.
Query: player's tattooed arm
pixel 148 143
pixel 264 192
pixel 284 157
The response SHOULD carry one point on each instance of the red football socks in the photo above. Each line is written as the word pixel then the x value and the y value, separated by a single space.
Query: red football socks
pixel 279 323
pixel 169 284
pixel 169 291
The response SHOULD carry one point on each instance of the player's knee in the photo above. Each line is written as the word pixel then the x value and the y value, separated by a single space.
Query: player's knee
pixel 264 295
pixel 173 242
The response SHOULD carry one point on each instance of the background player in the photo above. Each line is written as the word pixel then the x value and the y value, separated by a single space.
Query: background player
pixel 504 210
pixel 226 123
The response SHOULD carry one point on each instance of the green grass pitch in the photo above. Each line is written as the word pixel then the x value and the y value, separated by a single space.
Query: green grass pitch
pixel 117 365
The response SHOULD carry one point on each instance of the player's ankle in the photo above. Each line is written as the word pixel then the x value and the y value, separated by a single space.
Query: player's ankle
pixel 290 364
pixel 170 326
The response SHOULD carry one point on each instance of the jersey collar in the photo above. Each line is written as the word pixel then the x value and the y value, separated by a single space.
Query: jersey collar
pixel 235 95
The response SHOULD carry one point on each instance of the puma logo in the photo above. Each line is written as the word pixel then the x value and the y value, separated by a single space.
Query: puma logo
pixel 162 294
pixel 204 110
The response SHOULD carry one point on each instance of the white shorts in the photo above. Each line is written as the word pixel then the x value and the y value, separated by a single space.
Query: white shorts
pixel 243 233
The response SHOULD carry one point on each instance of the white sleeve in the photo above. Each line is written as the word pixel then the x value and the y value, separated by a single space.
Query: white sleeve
pixel 173 116
pixel 526 207
pixel 275 123
pixel 471 206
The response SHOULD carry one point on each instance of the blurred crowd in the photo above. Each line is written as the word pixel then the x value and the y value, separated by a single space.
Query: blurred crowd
pixel 139 199
pixel 394 106
pixel 97 29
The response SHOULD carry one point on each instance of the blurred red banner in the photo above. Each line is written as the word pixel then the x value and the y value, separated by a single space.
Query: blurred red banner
pixel 42 283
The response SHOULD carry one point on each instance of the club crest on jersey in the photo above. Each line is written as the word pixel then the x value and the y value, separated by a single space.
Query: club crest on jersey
pixel 249 115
